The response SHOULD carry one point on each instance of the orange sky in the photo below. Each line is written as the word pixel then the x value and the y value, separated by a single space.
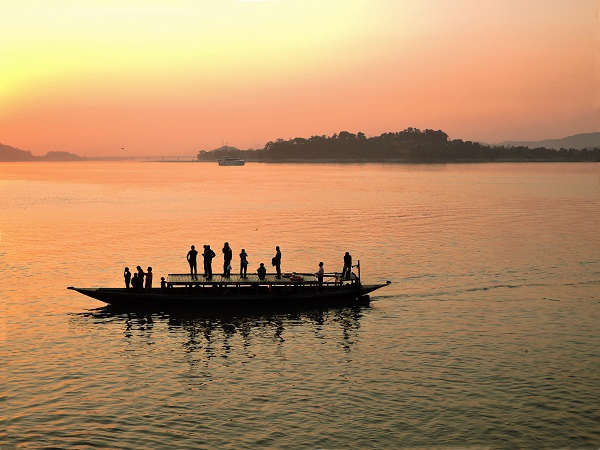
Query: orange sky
pixel 93 77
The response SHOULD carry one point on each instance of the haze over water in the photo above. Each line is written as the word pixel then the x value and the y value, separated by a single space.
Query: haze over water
pixel 487 336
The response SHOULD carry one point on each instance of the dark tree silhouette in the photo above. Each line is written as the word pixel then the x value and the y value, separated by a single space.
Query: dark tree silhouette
pixel 409 145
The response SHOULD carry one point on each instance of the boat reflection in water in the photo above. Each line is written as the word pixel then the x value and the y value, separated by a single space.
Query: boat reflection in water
pixel 216 332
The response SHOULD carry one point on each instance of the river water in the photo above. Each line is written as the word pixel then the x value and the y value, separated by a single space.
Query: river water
pixel 486 338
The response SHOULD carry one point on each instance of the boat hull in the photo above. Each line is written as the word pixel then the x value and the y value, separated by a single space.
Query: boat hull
pixel 205 298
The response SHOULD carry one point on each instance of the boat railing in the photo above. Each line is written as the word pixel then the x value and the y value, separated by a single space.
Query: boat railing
pixel 330 279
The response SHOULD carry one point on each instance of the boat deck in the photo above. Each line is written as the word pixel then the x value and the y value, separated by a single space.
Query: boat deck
pixel 185 279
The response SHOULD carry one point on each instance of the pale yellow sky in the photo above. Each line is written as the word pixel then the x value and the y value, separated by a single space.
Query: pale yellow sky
pixel 175 77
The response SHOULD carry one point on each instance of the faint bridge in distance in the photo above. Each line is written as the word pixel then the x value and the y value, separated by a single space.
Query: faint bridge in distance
pixel 167 158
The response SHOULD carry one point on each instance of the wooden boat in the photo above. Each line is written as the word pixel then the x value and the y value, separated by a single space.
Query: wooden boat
pixel 184 290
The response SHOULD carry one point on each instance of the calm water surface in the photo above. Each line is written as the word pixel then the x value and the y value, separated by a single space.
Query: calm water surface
pixel 487 336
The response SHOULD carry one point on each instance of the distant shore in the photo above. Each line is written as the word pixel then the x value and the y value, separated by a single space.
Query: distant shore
pixel 410 146
pixel 320 161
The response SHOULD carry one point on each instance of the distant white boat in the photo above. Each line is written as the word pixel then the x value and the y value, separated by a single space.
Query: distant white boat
pixel 227 161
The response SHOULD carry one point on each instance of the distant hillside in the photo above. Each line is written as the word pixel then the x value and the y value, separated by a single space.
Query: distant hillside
pixel 226 152
pixel 12 154
pixel 8 153
pixel 577 141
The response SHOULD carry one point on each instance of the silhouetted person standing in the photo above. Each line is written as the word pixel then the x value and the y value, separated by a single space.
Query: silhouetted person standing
pixel 277 261
pixel 319 276
pixel 191 258
pixel 243 264
pixel 148 287
pixel 204 259
pixel 347 266
pixel 127 277
pixel 141 274
pixel 208 257
pixel 227 257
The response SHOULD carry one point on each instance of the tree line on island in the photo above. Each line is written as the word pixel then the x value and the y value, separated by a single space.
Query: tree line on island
pixel 409 145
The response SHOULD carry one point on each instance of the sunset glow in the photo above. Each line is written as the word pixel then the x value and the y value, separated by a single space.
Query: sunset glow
pixel 173 77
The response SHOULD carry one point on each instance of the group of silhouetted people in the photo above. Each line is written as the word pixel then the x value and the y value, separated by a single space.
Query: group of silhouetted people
pixel 142 281
pixel 208 255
